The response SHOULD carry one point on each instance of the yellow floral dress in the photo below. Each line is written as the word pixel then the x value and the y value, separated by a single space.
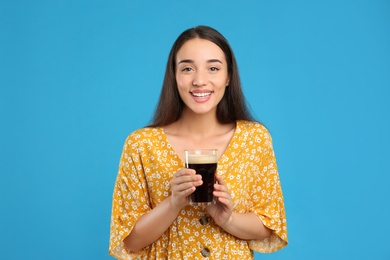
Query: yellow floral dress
pixel 249 169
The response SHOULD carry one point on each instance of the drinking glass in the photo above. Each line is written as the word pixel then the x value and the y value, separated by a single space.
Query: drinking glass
pixel 204 162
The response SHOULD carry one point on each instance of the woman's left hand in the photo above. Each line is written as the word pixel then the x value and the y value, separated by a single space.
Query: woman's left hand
pixel 222 210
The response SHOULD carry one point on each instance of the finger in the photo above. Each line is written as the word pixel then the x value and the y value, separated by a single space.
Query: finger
pixel 221 191
pixel 220 180
pixel 224 201
pixel 184 183
pixel 221 188
pixel 222 194
pixel 196 179
pixel 184 172
pixel 187 191
pixel 183 176
pixel 188 185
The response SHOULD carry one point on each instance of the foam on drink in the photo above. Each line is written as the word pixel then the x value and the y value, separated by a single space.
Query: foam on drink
pixel 201 158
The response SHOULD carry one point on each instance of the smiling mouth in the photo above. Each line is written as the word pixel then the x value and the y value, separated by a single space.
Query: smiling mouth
pixel 203 94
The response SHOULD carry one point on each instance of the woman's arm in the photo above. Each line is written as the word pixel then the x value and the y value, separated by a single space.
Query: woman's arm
pixel 246 226
pixel 242 225
pixel 152 225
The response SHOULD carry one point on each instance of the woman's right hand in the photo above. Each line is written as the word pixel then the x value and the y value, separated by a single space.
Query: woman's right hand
pixel 183 183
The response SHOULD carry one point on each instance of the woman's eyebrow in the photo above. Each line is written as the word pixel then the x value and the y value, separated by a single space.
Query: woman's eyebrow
pixel 191 61
pixel 214 60
pixel 185 61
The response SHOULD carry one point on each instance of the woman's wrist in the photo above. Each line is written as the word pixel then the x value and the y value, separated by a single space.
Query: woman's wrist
pixel 227 223
pixel 173 207
pixel 245 226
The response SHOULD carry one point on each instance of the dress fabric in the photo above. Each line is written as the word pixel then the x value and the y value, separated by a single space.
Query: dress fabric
pixel 249 169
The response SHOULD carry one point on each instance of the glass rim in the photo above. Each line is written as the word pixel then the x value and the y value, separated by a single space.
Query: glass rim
pixel 194 150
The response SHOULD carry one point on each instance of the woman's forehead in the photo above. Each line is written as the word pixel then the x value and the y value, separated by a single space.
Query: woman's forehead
pixel 199 49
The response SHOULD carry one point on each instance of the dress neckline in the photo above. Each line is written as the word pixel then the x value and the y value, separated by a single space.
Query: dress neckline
pixel 220 159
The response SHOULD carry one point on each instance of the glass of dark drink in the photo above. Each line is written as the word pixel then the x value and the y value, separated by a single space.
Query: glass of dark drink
pixel 204 162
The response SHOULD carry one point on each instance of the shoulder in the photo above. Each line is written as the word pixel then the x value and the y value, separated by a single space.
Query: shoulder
pixel 254 133
pixel 143 136
pixel 252 127
pixel 145 132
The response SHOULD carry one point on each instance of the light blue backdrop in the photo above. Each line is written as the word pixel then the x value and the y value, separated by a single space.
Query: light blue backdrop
pixel 77 77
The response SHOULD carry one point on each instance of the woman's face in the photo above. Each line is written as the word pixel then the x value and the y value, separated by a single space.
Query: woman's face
pixel 201 75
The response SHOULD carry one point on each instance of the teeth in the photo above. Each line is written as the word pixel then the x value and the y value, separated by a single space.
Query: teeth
pixel 201 94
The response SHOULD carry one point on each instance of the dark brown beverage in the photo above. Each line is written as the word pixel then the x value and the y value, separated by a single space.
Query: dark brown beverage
pixel 204 193
pixel 204 162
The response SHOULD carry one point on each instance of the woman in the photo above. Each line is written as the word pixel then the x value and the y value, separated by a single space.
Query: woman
pixel 201 106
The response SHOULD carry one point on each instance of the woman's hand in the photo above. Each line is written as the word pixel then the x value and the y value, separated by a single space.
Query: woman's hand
pixel 184 183
pixel 222 210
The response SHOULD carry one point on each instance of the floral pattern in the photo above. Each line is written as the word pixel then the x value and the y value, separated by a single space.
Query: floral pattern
pixel 249 169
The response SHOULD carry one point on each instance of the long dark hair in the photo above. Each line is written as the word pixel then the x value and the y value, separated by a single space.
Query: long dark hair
pixel 232 107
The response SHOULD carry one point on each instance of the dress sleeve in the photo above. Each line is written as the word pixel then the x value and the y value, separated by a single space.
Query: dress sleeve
pixel 268 202
pixel 130 201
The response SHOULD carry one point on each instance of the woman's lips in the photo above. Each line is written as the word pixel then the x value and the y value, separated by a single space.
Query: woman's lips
pixel 201 96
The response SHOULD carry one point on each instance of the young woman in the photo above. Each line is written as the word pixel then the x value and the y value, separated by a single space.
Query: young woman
pixel 201 106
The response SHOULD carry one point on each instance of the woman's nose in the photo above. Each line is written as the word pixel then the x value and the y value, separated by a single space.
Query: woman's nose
pixel 200 79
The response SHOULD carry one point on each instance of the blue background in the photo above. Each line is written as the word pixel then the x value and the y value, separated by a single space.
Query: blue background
pixel 77 77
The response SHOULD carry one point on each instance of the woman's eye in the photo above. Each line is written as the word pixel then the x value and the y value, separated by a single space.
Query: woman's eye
pixel 214 69
pixel 186 69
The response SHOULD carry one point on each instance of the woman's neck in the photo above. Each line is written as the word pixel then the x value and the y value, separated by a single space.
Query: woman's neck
pixel 198 125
